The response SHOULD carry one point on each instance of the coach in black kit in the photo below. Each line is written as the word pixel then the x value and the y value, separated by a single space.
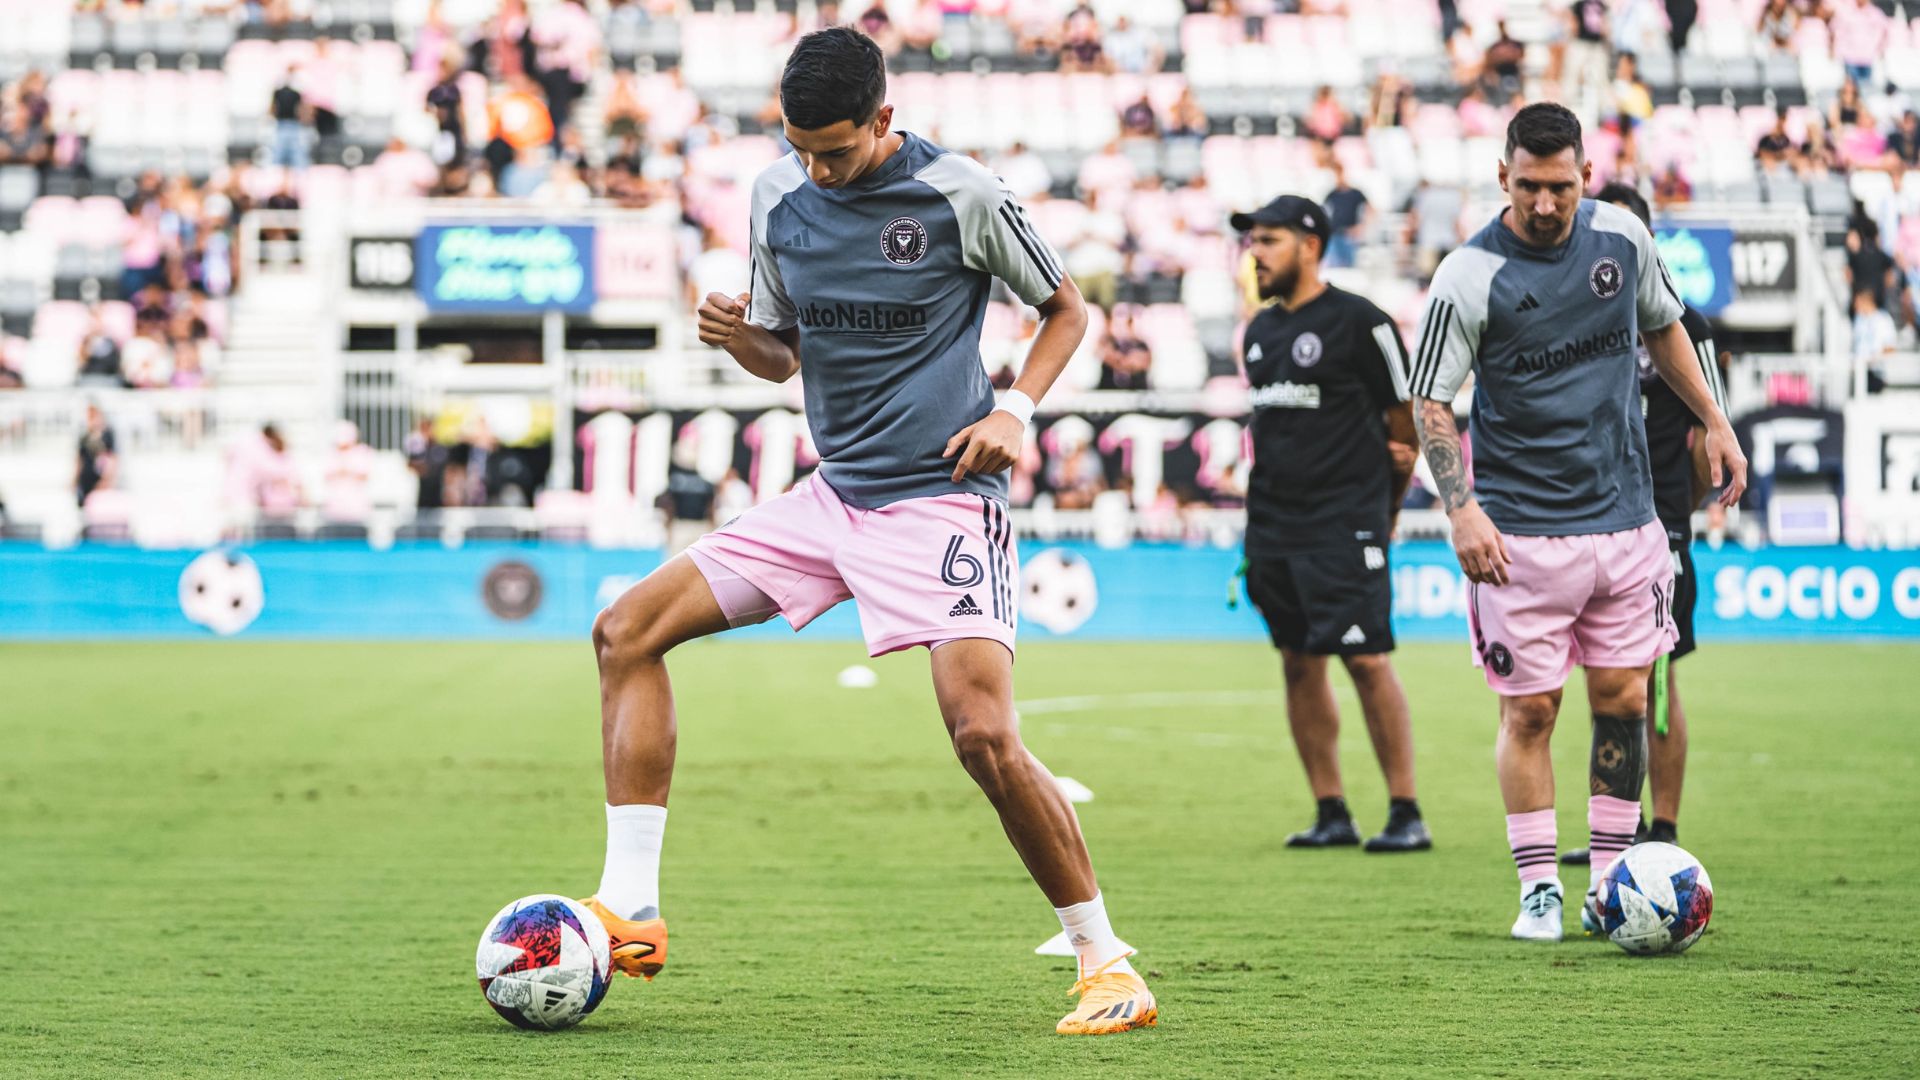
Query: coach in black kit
pixel 1333 442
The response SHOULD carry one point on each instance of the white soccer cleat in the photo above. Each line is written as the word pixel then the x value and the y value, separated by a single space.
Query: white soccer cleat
pixel 1540 907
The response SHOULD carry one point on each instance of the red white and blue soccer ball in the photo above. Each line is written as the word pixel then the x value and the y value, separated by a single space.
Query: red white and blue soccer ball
pixel 1655 898
pixel 544 962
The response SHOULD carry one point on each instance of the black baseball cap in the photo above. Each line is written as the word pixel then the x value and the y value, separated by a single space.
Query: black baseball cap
pixel 1290 211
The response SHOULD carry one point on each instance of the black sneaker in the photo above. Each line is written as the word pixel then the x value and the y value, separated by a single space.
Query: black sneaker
pixel 1402 834
pixel 1327 832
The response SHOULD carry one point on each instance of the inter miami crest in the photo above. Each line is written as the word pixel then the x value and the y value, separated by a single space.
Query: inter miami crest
pixel 1307 349
pixel 1500 659
pixel 1606 278
pixel 903 241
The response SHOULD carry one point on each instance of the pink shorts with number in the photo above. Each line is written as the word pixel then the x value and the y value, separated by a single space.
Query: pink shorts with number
pixel 1599 601
pixel 921 571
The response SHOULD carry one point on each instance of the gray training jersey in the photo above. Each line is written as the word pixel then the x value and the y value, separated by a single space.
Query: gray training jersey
pixel 887 279
pixel 1559 447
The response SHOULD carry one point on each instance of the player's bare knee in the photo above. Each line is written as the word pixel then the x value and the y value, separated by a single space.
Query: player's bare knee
pixel 985 746
pixel 1301 667
pixel 1368 670
pixel 1629 699
pixel 627 632
pixel 1530 717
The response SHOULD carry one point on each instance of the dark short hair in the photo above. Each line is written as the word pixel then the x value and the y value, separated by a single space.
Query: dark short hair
pixel 833 75
pixel 1543 129
pixel 1626 196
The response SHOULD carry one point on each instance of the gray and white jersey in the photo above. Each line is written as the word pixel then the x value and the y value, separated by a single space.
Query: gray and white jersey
pixel 887 279
pixel 1559 446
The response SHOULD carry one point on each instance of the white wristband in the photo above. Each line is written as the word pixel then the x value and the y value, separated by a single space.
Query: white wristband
pixel 1017 405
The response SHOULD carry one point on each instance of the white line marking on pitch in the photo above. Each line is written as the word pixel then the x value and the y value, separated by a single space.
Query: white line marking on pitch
pixel 1165 699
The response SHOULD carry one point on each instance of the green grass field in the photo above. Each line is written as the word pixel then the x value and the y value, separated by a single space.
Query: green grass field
pixel 274 860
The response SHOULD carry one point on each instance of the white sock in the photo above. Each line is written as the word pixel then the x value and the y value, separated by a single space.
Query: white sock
pixel 630 883
pixel 1091 936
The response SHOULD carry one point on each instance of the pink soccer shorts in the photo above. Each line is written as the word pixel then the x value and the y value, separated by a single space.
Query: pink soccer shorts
pixel 1600 601
pixel 921 571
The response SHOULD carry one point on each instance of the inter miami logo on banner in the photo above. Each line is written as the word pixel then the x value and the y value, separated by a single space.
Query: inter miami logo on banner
pixel 903 241
pixel 1307 349
pixel 1606 279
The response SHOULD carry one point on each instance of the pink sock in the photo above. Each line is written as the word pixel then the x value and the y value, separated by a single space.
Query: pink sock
pixel 1533 840
pixel 1611 823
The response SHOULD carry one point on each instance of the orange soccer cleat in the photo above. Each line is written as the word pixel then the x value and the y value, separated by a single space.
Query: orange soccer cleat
pixel 639 946
pixel 1110 1002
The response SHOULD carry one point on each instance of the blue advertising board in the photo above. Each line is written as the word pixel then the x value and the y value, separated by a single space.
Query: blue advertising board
pixel 1071 591
pixel 1699 258
pixel 504 268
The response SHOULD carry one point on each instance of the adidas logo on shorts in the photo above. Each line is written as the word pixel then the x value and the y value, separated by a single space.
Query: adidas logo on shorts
pixel 966 606
pixel 1354 636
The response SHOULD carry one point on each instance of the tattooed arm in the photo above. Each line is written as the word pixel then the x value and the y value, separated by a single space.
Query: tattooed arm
pixel 1481 549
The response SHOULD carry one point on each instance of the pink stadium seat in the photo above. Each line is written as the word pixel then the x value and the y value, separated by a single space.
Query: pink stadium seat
pixel 52 217
pixel 100 221
pixel 116 317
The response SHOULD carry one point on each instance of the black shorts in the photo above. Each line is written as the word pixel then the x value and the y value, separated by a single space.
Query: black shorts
pixel 1336 601
pixel 1686 591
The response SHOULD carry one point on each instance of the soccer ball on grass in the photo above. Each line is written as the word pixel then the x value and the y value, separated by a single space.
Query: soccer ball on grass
pixel 1655 898
pixel 544 962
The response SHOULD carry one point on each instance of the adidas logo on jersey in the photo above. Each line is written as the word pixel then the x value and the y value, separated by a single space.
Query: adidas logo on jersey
pixel 1527 303
pixel 1254 354
pixel 1354 636
pixel 966 606
pixel 801 239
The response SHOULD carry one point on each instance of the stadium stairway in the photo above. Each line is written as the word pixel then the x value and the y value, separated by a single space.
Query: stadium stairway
pixel 277 345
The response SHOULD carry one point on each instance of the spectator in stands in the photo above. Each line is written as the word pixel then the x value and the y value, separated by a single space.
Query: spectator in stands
pixel 505 47
pixel 718 268
pixel 141 248
pixel 1870 269
pixel 1775 148
pixel 1326 118
pixel 1631 96
pixel 96 466
pixel 289 111
pixel 402 172
pixel 567 39
pixel 1500 66
pixel 1672 189
pixel 1433 225
pixel 1390 103
pixel 1125 360
pixel 427 459
pixel 626 116
pixel 1188 120
pixel 147 360
pixel 563 186
pixel 346 482
pixel 1586 75
pixel 878 25
pixel 1859 32
pixel 1347 214
pixel 1080 47
pixel 1680 18
pixel 1903 144
pixel 520 132
pixel 479 465
pixel 23 140
pixel 273 481
pixel 1138 121
pixel 320 78
pixel 1875 337
pixel 1847 110
pixel 1817 156
pixel 1134 52
pixel 1096 258
pixel 99 356
pixel 1023 172
pixel 448 111
pixel 1779 21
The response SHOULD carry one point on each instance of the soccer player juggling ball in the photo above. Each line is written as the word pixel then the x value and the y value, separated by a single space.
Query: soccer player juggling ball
pixel 1558 534
pixel 873 251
